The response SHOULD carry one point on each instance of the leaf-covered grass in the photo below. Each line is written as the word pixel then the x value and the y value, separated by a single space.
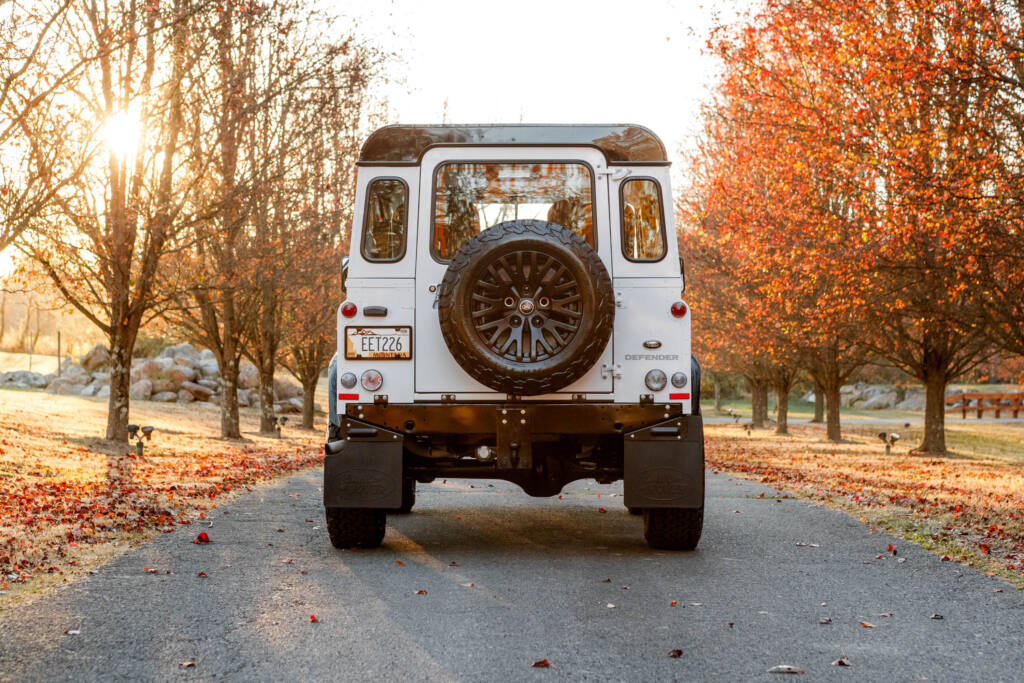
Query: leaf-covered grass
pixel 968 505
pixel 70 501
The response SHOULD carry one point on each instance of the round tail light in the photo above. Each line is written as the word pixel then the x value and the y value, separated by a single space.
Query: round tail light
pixel 679 309
pixel 372 380
pixel 348 309
pixel 655 380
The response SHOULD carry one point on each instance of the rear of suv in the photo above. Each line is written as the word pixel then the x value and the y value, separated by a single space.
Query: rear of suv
pixel 513 311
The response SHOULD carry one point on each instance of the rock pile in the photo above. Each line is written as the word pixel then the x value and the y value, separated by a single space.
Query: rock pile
pixel 877 397
pixel 180 374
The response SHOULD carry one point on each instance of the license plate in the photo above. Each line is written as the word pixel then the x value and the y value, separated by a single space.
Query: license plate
pixel 378 343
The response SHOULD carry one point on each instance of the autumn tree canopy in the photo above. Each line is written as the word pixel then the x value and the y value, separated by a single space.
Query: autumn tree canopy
pixel 846 180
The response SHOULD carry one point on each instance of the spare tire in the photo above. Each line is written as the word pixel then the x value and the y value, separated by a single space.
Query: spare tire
pixel 526 307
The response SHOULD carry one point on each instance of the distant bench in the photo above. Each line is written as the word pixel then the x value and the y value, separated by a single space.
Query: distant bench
pixel 1015 402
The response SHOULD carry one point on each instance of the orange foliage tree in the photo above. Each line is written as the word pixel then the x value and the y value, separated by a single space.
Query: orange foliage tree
pixel 847 161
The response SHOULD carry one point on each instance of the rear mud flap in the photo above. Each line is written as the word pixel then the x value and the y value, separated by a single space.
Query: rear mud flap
pixel 664 465
pixel 367 472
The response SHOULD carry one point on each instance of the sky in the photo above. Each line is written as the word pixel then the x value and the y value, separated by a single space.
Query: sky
pixel 548 61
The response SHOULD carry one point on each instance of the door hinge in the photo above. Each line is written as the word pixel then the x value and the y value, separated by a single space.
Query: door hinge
pixel 619 301
pixel 614 173
pixel 611 370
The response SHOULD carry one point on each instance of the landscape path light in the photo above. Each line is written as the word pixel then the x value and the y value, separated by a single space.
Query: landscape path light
pixel 139 433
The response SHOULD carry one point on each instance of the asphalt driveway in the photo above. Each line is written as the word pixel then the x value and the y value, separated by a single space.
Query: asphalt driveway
pixel 481 581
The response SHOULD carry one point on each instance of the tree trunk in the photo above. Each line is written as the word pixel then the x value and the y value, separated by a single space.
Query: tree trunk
pixel 819 404
pixel 308 396
pixel 782 393
pixel 267 417
pixel 229 423
pixel 120 382
pixel 832 426
pixel 934 442
pixel 718 392
pixel 758 403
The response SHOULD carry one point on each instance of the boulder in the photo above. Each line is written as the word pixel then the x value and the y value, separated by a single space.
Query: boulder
pixel 206 354
pixel 285 389
pixel 29 379
pixel 286 407
pixel 62 386
pixel 163 386
pixel 880 401
pixel 243 398
pixel 180 374
pixel 97 357
pixel 181 360
pixel 147 369
pixel 913 402
pixel 101 377
pixel 164 396
pixel 91 389
pixel 104 391
pixel 297 402
pixel 185 350
pixel 142 389
pixel 208 367
pixel 808 397
pixel 75 374
pixel 185 396
pixel 248 375
pixel 197 390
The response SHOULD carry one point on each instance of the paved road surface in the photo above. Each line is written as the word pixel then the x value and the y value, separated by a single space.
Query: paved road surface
pixel 528 585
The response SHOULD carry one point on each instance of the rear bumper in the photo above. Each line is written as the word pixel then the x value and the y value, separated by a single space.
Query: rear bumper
pixel 655 448
pixel 540 419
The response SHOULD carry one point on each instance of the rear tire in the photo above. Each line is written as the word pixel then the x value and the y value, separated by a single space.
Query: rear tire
pixel 408 496
pixel 356 527
pixel 673 528
pixel 634 511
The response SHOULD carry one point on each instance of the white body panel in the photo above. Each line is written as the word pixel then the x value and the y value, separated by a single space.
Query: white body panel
pixel 645 292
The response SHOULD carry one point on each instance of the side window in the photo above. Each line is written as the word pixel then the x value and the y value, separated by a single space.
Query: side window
pixel 384 225
pixel 643 224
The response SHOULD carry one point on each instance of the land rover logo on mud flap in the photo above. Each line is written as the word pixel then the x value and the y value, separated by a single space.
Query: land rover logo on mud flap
pixel 652 356
pixel 366 483
pixel 662 483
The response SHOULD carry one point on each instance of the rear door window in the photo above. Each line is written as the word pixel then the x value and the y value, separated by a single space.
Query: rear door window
pixel 384 229
pixel 471 197
pixel 643 220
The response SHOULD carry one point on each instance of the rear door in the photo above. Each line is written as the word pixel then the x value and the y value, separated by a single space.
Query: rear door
pixel 437 372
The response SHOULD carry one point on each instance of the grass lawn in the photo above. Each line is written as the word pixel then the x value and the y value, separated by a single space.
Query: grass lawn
pixel 967 506
pixel 69 501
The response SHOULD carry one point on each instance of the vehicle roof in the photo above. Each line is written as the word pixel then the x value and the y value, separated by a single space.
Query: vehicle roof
pixel 621 143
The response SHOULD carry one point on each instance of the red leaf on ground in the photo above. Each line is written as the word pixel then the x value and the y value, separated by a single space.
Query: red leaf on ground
pixel 313 619
pixel 421 592
pixel 842 661
pixel 202 538
pixel 541 664
pixel 400 563
pixel 203 575
pixel 677 653
pixel 673 603
pixel 867 624
pixel 601 510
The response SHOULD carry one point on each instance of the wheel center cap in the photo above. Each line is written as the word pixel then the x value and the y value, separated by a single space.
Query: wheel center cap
pixel 526 306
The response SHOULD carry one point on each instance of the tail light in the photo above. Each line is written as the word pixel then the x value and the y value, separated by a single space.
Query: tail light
pixel 679 309
pixel 348 309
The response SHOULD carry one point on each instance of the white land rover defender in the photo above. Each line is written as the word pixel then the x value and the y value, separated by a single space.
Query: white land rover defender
pixel 514 312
